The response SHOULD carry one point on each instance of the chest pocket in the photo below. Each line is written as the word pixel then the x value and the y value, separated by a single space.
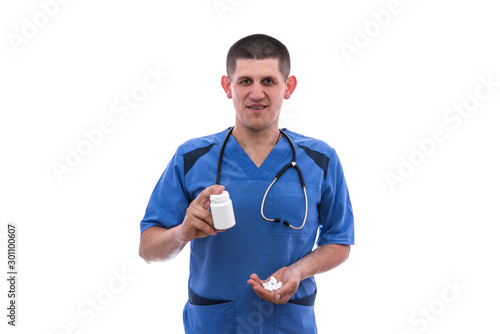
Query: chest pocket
pixel 288 204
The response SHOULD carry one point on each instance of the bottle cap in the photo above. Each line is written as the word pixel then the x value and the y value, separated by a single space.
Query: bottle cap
pixel 222 197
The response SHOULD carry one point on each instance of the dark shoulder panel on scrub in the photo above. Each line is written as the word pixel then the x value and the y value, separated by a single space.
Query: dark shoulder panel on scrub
pixel 190 158
pixel 319 158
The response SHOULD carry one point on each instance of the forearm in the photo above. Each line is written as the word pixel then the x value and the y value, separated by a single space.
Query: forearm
pixel 322 259
pixel 160 244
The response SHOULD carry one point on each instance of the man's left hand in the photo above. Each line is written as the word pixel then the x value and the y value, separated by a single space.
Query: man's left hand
pixel 289 276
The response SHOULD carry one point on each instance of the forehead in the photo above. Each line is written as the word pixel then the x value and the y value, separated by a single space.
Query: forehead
pixel 257 68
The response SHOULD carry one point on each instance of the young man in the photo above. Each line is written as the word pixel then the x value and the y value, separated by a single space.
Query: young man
pixel 226 294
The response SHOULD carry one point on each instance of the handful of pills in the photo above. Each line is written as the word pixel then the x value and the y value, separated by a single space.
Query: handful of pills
pixel 272 285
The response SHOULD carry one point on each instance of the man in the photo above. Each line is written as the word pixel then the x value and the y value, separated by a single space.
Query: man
pixel 226 293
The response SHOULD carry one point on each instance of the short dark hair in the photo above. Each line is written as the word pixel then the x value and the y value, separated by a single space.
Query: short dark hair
pixel 258 46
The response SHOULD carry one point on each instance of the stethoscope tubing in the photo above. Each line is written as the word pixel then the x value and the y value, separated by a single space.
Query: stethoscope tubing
pixel 293 164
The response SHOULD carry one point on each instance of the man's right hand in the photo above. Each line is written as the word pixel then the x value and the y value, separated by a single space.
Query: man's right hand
pixel 198 221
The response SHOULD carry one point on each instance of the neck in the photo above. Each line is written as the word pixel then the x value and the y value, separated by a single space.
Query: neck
pixel 251 138
pixel 257 144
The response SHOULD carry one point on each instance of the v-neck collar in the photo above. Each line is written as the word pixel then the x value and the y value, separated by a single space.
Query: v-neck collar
pixel 275 157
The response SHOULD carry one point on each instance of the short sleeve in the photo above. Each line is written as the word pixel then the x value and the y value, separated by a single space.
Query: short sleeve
pixel 169 200
pixel 335 210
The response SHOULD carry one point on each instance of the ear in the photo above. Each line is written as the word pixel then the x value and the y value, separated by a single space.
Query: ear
pixel 226 85
pixel 291 83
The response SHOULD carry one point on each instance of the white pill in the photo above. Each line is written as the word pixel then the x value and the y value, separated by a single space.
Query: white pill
pixel 272 285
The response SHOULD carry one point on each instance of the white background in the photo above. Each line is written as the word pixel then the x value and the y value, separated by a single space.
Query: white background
pixel 439 225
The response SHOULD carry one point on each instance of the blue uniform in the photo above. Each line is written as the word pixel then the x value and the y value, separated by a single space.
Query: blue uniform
pixel 220 300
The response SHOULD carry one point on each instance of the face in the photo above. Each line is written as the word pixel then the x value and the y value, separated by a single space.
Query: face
pixel 257 90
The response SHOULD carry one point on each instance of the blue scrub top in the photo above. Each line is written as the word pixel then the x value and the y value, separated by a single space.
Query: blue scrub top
pixel 220 300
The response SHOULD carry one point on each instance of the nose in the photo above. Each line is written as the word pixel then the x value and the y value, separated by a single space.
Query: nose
pixel 257 92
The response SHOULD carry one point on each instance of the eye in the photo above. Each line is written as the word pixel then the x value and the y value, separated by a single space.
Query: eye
pixel 245 82
pixel 269 82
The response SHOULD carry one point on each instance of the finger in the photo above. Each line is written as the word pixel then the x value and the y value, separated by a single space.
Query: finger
pixel 284 293
pixel 260 291
pixel 200 234
pixel 252 283
pixel 203 198
pixel 281 297
pixel 256 283
pixel 203 226
pixel 256 278
pixel 200 219
pixel 200 214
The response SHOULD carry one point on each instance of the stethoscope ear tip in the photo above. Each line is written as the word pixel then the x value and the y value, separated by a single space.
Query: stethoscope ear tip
pixel 277 220
pixel 286 223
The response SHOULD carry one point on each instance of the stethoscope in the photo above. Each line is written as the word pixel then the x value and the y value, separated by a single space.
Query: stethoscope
pixel 291 164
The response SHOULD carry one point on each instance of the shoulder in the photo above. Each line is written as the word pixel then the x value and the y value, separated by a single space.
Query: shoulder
pixel 204 142
pixel 310 144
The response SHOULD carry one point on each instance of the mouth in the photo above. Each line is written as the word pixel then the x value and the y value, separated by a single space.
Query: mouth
pixel 257 107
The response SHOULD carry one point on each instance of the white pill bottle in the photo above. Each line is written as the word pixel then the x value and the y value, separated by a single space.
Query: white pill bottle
pixel 222 211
